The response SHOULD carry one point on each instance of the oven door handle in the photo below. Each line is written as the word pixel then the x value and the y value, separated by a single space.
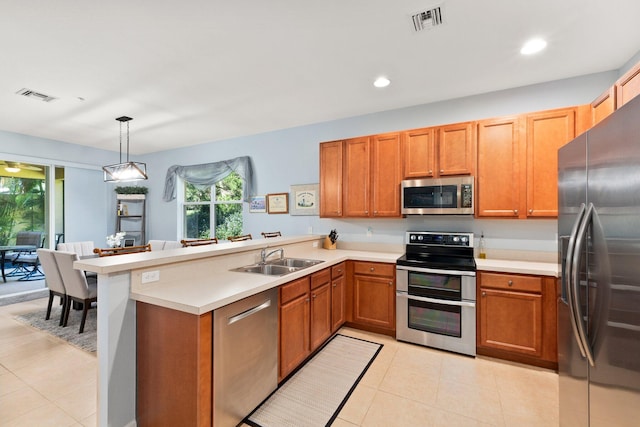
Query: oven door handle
pixel 437 301
pixel 436 271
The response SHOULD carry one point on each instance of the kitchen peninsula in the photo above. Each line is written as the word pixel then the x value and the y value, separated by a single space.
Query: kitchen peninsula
pixel 193 280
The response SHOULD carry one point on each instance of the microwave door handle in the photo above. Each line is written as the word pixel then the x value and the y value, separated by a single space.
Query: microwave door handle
pixel 581 238
pixel 568 273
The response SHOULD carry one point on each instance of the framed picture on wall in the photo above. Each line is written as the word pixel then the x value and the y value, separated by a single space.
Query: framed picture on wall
pixel 278 203
pixel 306 199
pixel 257 204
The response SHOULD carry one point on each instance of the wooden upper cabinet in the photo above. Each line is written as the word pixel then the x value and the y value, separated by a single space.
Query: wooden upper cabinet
pixel 628 86
pixel 331 154
pixel 500 159
pixel 419 151
pixel 456 149
pixel 439 151
pixel 386 167
pixel 546 133
pixel 356 178
pixel 603 106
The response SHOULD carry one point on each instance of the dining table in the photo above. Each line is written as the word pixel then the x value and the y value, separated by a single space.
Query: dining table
pixel 12 248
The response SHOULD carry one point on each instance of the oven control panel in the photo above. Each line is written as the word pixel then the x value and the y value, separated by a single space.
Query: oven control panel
pixel 440 239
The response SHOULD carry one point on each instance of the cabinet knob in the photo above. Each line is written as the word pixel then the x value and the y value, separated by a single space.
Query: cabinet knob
pixel 390 283
pixel 367 212
pixel 314 296
pixel 371 269
pixel 335 284
pixel 515 211
pixel 430 172
pixel 484 294
pixel 530 211
pixel 510 282
pixel 441 170
pixel 307 299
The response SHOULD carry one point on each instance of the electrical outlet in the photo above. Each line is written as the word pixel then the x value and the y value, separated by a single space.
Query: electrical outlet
pixel 369 231
pixel 150 276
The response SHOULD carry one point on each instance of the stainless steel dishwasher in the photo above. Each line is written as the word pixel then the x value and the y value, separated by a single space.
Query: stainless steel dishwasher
pixel 245 356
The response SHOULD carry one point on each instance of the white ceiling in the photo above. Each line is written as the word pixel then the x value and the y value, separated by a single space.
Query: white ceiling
pixel 194 71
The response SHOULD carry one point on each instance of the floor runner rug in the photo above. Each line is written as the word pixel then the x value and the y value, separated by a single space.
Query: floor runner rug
pixel 314 395
pixel 86 341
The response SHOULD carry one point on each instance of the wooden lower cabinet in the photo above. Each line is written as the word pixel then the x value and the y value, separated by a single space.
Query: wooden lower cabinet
pixel 305 319
pixel 174 364
pixel 374 297
pixel 338 296
pixel 517 318
pixel 294 320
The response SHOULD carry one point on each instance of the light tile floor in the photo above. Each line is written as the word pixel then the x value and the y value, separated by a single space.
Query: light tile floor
pixel 47 382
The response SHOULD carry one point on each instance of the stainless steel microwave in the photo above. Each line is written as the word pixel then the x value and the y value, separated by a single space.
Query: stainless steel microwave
pixel 438 196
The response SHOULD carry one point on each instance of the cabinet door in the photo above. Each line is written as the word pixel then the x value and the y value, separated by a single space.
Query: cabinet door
pixel 320 315
pixel 294 333
pixel 511 321
pixel 337 303
pixel 500 157
pixel 374 301
pixel 546 133
pixel 603 106
pixel 356 178
pixel 331 179
pixel 418 148
pixel 456 149
pixel 387 171
pixel 628 86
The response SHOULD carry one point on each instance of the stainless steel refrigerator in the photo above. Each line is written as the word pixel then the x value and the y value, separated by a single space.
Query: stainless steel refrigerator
pixel 599 306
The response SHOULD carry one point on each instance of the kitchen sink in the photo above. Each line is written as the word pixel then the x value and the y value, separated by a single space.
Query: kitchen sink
pixel 295 262
pixel 278 267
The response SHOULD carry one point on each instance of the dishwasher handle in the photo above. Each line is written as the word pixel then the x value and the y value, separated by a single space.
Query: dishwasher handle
pixel 249 312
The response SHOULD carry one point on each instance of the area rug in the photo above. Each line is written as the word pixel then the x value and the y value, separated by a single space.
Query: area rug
pixel 314 395
pixel 86 340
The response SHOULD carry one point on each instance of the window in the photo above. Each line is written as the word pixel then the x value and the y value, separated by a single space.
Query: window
pixel 23 200
pixel 218 207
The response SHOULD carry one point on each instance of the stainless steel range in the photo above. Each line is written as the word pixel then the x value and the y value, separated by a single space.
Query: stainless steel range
pixel 436 291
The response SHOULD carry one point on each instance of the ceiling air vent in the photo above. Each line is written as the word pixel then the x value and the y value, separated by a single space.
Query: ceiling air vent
pixel 427 19
pixel 35 95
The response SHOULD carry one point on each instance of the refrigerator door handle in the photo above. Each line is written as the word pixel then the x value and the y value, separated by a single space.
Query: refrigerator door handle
pixel 575 279
pixel 568 274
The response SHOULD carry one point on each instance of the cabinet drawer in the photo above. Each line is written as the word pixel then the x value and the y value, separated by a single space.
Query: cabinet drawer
pixel 293 290
pixel 374 269
pixel 337 270
pixel 511 282
pixel 320 278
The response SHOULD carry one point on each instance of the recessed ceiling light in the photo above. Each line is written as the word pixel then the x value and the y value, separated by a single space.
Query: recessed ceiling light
pixel 382 82
pixel 533 46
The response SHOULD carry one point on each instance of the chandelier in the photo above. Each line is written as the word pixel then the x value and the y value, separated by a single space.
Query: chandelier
pixel 125 171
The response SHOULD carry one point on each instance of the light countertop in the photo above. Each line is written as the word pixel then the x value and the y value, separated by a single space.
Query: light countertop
pixel 197 280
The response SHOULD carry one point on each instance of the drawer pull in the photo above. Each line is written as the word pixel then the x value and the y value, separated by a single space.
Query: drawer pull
pixel 510 282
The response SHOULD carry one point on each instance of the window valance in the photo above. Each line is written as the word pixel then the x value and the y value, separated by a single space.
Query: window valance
pixel 207 174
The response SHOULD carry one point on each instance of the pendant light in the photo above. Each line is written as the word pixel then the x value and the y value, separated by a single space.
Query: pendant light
pixel 127 171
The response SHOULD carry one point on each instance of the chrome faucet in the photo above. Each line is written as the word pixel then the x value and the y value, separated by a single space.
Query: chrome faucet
pixel 264 255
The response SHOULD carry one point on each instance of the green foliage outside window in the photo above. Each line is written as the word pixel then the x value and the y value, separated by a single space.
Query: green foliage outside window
pixel 22 207
pixel 226 207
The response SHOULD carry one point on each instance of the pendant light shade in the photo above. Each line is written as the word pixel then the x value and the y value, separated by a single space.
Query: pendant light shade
pixel 125 171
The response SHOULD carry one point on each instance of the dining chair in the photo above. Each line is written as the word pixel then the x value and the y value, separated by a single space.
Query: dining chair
pixel 240 238
pixel 122 250
pixel 81 248
pixel 268 234
pixel 198 242
pixel 53 280
pixel 79 288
